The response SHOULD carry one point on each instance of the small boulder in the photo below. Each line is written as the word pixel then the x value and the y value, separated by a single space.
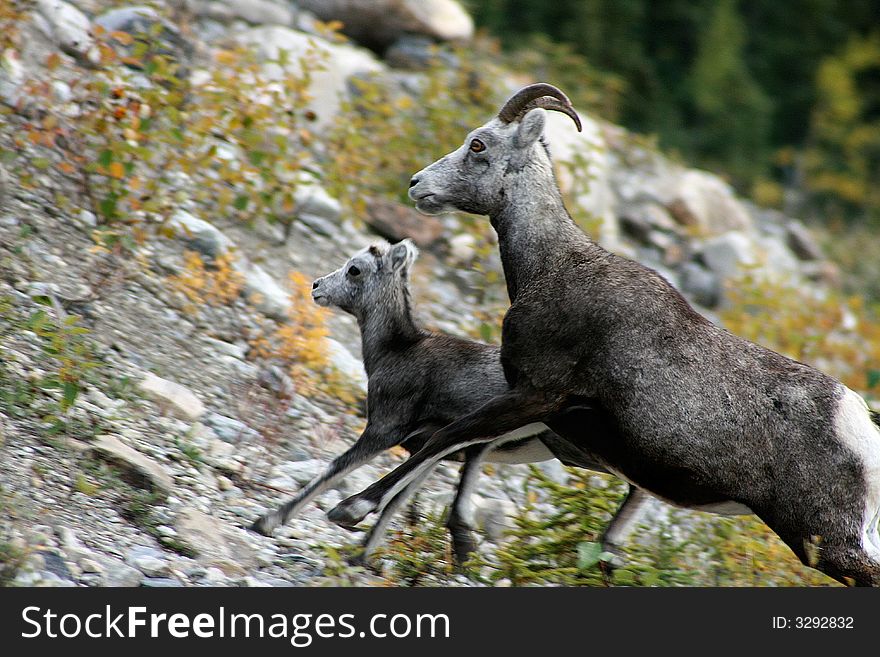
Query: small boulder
pixel 801 242
pixel 199 234
pixel 140 469
pixel 728 254
pixel 173 397
pixel 215 542
pixel 395 221
pixel 379 23
pixel 65 25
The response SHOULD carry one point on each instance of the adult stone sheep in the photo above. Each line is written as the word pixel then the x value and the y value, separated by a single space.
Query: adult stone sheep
pixel 700 417
pixel 418 382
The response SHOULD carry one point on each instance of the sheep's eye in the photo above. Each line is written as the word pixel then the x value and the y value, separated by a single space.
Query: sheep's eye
pixel 354 271
pixel 477 146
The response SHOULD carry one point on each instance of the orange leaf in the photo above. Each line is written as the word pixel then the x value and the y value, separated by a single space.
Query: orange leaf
pixel 117 170
pixel 122 37
pixel 66 167
pixel 53 60
pixel 226 57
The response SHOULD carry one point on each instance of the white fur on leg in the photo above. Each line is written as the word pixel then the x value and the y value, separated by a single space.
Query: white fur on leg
pixel 856 430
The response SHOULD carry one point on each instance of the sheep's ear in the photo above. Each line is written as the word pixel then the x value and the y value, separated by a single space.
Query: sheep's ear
pixel 530 128
pixel 402 254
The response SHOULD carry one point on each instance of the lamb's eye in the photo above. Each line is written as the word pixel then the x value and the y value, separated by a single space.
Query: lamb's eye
pixel 477 146
pixel 354 271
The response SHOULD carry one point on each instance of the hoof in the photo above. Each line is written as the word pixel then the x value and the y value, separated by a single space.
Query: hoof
pixel 265 525
pixel 358 559
pixel 463 546
pixel 348 513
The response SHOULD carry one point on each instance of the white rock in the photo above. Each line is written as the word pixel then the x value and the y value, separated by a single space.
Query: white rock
pixel 706 202
pixel 12 77
pixel 342 360
pixel 268 296
pixel 463 248
pixel 302 472
pixel 66 25
pixel 378 23
pixel 203 236
pixel 328 86
pixel 177 399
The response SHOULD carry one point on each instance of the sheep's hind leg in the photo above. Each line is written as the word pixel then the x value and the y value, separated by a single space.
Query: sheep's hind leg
pixel 623 523
pixel 851 565
pixel 501 415
pixel 377 533
pixel 461 514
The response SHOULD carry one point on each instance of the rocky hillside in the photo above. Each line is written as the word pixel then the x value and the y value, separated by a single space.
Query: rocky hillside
pixel 163 378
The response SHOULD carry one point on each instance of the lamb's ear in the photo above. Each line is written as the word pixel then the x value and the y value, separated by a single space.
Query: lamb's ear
pixel 402 254
pixel 530 128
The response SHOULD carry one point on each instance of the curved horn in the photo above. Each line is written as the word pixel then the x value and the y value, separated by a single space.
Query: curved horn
pixel 541 95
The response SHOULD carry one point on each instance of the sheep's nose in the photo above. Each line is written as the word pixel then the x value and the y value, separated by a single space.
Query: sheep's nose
pixel 316 284
pixel 413 182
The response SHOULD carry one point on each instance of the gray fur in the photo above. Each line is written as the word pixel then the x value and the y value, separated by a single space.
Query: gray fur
pixel 696 415
pixel 418 382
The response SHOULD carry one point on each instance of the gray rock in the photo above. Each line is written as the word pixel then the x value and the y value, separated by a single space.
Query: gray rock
pixel 215 542
pixel 328 86
pixel 396 221
pixel 494 516
pixel 54 564
pixel 379 23
pixel 415 52
pixel 312 199
pixel 229 429
pixel 701 285
pixel 801 242
pixel 319 225
pixel 161 582
pixel 140 468
pixel 256 12
pixel 140 20
pixel 199 234
pixel 728 253
pixel 151 566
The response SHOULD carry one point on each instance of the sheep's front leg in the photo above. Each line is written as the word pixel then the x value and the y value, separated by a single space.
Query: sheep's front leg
pixel 500 415
pixel 370 443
